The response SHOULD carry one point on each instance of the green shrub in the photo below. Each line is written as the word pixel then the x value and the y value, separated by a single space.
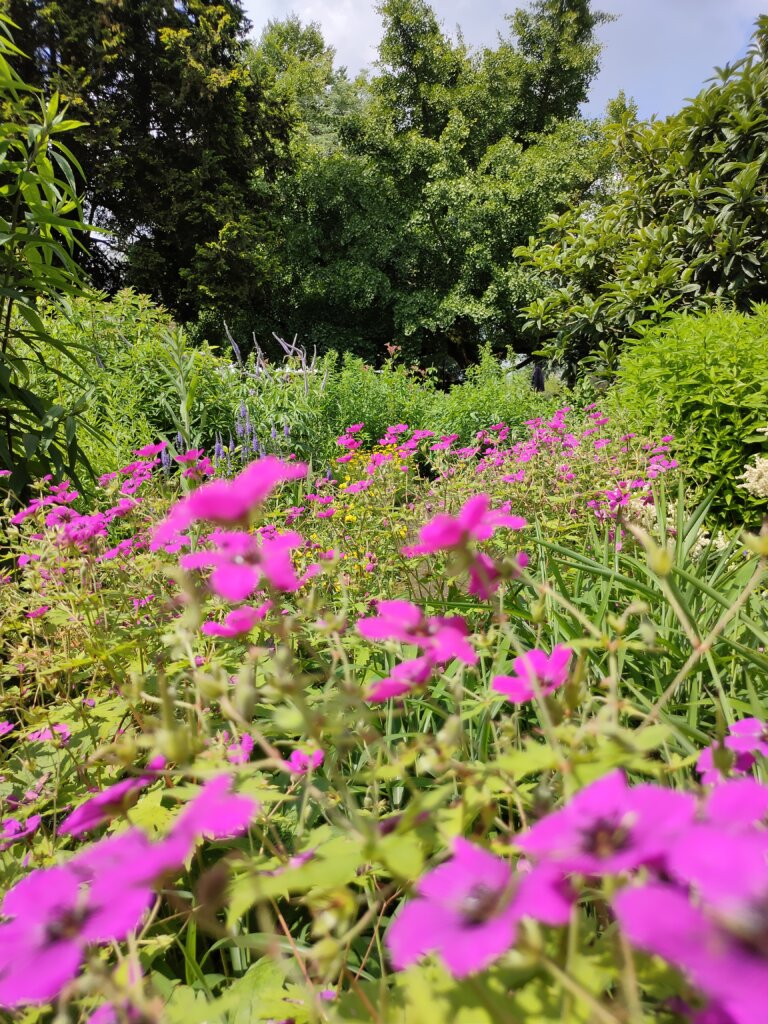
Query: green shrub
pixel 704 379
pixel 489 394
pixel 140 372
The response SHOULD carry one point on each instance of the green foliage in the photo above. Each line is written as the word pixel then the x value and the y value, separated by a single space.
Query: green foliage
pixel 687 226
pixel 302 65
pixel 404 230
pixel 146 380
pixel 708 381
pixel 489 385
pixel 183 136
pixel 40 226
pixel 358 393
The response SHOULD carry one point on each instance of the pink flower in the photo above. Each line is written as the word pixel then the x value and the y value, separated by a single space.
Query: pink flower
pixel 403 679
pixel 190 456
pixel 107 803
pixel 6 727
pixel 215 813
pixel 475 521
pixel 749 735
pixel 227 501
pixel 737 804
pixel 150 449
pixel 239 561
pixel 54 918
pixel 240 753
pixel 711 774
pixel 37 613
pixel 535 671
pixel 441 638
pixel 610 827
pixel 661 919
pixel 12 830
pixel 61 730
pixel 444 443
pixel 468 909
pixel 299 763
pixel 237 622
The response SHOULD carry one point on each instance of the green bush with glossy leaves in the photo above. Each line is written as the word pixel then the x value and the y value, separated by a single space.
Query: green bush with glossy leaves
pixel 706 379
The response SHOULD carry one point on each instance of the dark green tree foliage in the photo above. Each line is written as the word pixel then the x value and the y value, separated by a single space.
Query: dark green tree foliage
pixel 182 143
pixel 687 226
pixel 405 230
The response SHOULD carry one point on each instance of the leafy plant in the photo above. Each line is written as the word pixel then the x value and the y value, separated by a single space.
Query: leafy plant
pixel 40 219
pixel 708 376
pixel 686 227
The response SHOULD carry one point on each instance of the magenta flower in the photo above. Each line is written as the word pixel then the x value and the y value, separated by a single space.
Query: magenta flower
pixel 12 830
pixel 442 639
pixel 483 576
pixel 240 753
pixel 728 870
pixel 227 502
pixel 215 813
pixel 6 727
pixel 748 736
pixel 38 613
pixel 737 803
pixel 536 672
pixel 711 774
pixel 61 730
pixel 300 762
pixel 467 910
pixel 54 918
pixel 150 450
pixel 402 680
pixel 610 827
pixel 475 521
pixel 237 622
pixel 108 803
pixel 660 918
pixel 239 560
pixel 444 443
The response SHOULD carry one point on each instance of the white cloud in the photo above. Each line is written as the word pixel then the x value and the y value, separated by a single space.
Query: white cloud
pixel 659 51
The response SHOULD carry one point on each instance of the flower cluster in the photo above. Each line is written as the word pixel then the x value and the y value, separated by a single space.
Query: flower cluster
pixel 101 894
pixel 440 640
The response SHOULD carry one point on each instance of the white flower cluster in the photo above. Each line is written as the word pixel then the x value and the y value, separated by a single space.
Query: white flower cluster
pixel 756 477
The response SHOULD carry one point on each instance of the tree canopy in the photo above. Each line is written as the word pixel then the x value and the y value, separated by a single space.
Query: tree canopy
pixel 183 137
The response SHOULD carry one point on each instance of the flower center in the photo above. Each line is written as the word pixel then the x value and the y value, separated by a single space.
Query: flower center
pixel 606 837
pixel 67 925
pixel 480 904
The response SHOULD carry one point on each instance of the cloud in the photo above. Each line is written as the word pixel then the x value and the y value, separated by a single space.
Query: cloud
pixel 658 51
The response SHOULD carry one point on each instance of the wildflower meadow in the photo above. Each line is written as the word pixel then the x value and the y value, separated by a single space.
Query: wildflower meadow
pixel 370 744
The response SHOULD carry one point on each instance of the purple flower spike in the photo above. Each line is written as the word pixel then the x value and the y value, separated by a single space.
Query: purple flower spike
pixel 467 910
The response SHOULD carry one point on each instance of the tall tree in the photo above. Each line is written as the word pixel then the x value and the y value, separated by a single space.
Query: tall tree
pixel 419 68
pixel 182 135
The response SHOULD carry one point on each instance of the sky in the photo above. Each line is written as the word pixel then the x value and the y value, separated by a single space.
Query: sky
pixel 660 52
